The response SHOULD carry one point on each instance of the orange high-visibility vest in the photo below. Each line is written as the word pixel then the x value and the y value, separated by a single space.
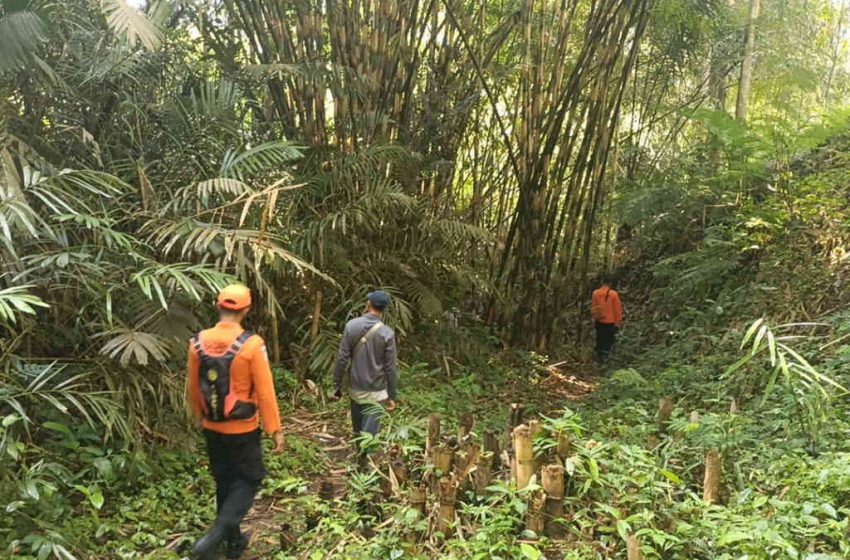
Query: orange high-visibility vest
pixel 251 379
pixel 605 306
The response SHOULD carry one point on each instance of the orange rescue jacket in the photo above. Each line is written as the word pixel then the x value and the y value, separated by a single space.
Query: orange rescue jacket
pixel 251 379
pixel 605 306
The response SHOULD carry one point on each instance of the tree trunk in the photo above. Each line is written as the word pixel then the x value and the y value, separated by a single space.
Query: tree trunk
pixel 747 64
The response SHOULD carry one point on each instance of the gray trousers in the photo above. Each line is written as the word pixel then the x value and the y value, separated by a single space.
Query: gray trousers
pixel 366 417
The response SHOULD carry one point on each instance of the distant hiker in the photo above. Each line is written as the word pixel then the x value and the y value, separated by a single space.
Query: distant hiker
pixel 229 380
pixel 607 313
pixel 368 345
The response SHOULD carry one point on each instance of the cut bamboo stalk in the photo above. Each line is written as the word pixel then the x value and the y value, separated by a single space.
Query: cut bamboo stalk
pixel 491 444
pixel 733 407
pixel 483 474
pixel 419 498
pixel 563 448
pixel 534 516
pixel 633 548
pixel 515 413
pixel 448 497
pixel 534 427
pixel 665 411
pixel 433 434
pixel 467 421
pixel 553 485
pixel 711 482
pixel 443 459
pixel 524 456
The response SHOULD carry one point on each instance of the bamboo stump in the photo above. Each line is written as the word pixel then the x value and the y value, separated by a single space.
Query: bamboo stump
pixel 448 499
pixel 491 444
pixel 633 548
pixel 433 434
pixel 553 486
pixel 442 458
pixel 534 518
pixel 562 450
pixel 467 421
pixel 524 456
pixel 665 411
pixel 711 482
pixel 418 497
pixel 483 474
pixel 515 413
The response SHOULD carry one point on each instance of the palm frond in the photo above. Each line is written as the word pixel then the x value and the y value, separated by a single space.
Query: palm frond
pixel 130 346
pixel 126 20
pixel 21 34
pixel 17 300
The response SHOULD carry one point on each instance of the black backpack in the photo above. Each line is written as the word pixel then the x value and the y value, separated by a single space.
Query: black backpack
pixel 219 400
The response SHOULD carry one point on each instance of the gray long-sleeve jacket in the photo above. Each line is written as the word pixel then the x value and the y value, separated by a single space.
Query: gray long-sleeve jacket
pixel 374 367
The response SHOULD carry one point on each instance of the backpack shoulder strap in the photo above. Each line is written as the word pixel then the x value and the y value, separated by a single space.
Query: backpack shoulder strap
pixel 366 336
pixel 196 344
pixel 239 343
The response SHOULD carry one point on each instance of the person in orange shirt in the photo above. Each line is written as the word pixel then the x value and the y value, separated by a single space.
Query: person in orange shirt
pixel 607 312
pixel 229 387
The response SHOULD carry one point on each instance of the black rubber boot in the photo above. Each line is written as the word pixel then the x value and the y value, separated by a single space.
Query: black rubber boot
pixel 233 548
pixel 207 546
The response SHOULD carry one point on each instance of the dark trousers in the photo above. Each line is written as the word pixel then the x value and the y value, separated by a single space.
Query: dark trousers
pixel 236 462
pixel 366 418
pixel 606 335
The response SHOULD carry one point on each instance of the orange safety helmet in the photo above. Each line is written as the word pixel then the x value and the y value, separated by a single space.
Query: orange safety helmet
pixel 234 297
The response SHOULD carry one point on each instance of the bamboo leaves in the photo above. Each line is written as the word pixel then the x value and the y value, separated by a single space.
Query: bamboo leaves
pixel 17 300
pixel 803 382
pixel 126 20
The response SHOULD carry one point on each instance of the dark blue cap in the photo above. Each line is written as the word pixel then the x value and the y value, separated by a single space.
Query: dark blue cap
pixel 379 299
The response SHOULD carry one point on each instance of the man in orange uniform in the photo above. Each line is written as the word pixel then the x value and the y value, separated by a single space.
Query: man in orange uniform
pixel 607 313
pixel 229 387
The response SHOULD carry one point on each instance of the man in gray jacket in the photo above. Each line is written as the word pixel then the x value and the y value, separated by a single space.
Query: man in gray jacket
pixel 369 346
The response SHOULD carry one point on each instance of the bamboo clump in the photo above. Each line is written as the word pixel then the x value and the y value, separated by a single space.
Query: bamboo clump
pixel 456 468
